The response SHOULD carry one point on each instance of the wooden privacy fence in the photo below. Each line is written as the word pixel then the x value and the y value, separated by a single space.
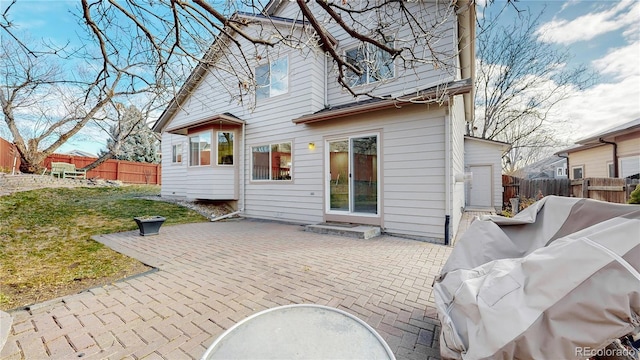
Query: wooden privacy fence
pixel 605 189
pixel 7 156
pixel 126 171
pixel 129 172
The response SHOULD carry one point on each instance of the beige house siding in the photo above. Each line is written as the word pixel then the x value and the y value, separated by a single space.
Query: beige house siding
pixel 629 145
pixel 593 161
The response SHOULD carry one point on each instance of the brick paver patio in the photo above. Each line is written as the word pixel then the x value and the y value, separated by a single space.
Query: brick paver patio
pixel 212 275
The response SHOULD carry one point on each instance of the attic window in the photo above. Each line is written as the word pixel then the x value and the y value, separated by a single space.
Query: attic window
pixel 376 64
pixel 272 79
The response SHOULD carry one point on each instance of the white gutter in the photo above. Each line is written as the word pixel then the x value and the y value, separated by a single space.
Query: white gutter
pixel 447 167
pixel 326 82
pixel 244 167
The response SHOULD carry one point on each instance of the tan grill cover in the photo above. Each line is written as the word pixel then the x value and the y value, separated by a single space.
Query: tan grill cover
pixel 561 276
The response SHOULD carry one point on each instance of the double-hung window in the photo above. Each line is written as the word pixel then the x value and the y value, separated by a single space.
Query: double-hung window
pixel 375 63
pixel 271 162
pixel 272 79
pixel 225 148
pixel 176 153
pixel 200 149
pixel 578 172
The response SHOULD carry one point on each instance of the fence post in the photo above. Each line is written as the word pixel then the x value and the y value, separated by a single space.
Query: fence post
pixel 585 188
pixel 157 174
pixel 117 170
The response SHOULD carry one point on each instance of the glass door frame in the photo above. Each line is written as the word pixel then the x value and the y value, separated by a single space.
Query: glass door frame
pixel 327 164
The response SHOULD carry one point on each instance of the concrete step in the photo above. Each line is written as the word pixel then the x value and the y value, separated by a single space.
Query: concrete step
pixel 345 229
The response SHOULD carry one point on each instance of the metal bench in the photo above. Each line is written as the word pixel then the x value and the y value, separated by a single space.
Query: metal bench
pixel 66 170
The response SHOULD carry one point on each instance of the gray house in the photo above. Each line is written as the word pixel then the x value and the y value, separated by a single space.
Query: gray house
pixel 553 167
pixel 308 152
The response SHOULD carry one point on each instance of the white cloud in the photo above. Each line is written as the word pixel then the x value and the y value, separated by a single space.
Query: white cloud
pixel 620 63
pixel 568 3
pixel 601 106
pixel 587 27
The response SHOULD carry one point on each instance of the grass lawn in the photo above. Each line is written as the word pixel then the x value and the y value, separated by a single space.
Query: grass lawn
pixel 46 250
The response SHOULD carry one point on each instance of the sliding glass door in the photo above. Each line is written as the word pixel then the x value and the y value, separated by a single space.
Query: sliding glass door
pixel 353 175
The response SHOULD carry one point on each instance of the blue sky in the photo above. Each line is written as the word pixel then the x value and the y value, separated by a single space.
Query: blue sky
pixel 603 34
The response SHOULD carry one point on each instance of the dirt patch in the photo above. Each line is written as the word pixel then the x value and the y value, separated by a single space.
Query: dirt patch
pixel 22 298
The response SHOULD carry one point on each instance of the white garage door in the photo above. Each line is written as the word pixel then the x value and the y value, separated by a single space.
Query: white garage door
pixel 480 187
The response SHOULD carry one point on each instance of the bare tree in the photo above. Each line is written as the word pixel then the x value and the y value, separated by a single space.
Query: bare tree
pixel 519 83
pixel 178 34
pixel 45 104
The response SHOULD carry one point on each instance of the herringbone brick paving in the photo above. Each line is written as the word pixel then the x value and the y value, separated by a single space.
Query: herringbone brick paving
pixel 212 275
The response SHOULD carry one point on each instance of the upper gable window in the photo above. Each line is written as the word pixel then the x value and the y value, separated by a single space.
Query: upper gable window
pixel 376 64
pixel 272 79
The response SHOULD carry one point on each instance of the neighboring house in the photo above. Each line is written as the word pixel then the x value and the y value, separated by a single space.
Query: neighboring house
pixel 553 167
pixel 77 152
pixel 613 153
pixel 308 152
pixel 483 161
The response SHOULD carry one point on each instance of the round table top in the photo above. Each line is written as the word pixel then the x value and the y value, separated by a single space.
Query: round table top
pixel 304 331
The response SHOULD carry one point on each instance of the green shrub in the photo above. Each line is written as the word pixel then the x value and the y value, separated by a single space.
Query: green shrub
pixel 635 196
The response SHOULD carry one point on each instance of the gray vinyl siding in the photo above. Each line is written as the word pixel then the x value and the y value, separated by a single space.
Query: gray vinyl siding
pixel 412 170
pixel 173 174
pixel 412 147
pixel 478 152
pixel 195 182
pixel 419 77
pixel 457 157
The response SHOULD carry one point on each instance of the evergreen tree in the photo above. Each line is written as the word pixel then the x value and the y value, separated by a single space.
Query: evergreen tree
pixel 131 138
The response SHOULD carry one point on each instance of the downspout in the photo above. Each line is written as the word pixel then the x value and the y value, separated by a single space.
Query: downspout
pixel 326 82
pixel 244 168
pixel 447 173
pixel 615 155
pixel 226 216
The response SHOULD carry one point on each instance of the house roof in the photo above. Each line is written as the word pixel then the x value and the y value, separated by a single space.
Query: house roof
pixel 428 95
pixel 622 129
pixel 606 135
pixel 505 146
pixel 222 119
pixel 464 87
pixel 545 163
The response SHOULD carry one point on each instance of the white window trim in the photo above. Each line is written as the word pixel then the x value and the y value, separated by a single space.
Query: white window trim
pixel 577 167
pixel 270 164
pixel 210 152
pixel 621 168
pixel 610 172
pixel 368 82
pixel 176 149
pixel 233 150
pixel 327 197
pixel 270 82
